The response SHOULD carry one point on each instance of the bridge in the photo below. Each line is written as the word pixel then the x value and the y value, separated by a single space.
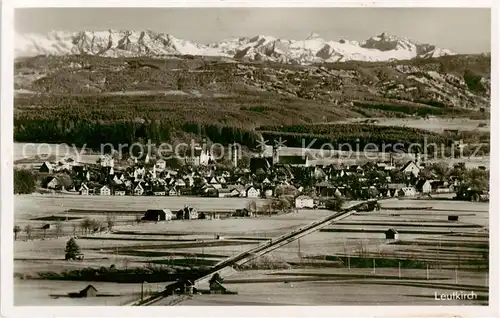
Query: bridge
pixel 253 253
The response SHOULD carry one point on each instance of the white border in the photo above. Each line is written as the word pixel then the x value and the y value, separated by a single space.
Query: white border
pixel 6 186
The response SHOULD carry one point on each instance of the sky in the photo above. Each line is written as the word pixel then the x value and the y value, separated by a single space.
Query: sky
pixel 463 30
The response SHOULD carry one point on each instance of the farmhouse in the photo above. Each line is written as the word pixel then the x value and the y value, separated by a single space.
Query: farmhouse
pixel 53 183
pixel 105 190
pixel 224 193
pixel 391 234
pixel 173 191
pixel 120 190
pixel 304 201
pixel 188 213
pixel 423 186
pixel 252 192
pixel 158 215
pixel 84 190
pixel 89 291
pixel 411 168
pixel 139 189
pixel 407 192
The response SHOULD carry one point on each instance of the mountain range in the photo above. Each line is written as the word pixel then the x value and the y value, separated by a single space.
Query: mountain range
pixel 313 49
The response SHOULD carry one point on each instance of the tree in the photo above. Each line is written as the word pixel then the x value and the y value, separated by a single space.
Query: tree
pixel 335 204
pixel 28 229
pixel 72 249
pixel 17 229
pixel 110 222
pixel 138 218
pixel 74 226
pixel 85 225
pixel 45 228
pixel 24 182
pixel 216 278
pixel 59 228
pixel 251 206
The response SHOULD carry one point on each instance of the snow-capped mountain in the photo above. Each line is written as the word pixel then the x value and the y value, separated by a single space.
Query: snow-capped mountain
pixel 313 48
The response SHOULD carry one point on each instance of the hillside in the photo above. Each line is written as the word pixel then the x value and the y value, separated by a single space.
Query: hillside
pixel 439 85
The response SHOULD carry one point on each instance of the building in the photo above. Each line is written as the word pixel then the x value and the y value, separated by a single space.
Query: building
pixel 173 191
pixel 105 190
pixel 84 190
pixel 252 192
pixel 156 215
pixel 139 189
pixel 424 186
pixel 187 213
pixel 46 167
pixel 411 168
pixel 224 193
pixel 53 183
pixel 160 164
pixel 89 291
pixel 106 161
pixel 198 157
pixel 391 234
pixel 304 201
pixel 120 190
pixel 407 192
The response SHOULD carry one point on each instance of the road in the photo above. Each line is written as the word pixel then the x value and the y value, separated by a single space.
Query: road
pixel 253 253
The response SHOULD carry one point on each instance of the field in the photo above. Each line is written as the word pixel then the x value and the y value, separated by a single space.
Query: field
pixel 314 264
pixel 433 124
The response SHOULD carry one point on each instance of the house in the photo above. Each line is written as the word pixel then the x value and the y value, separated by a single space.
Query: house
pixel 46 167
pixel 209 190
pixel 252 192
pixel 84 190
pixel 411 168
pixel 391 234
pixel 89 291
pixel 221 180
pixel 117 178
pixel 304 201
pixel 224 193
pixel 423 186
pixel 120 190
pixel 173 191
pixel 407 192
pixel 235 192
pixel 159 191
pixel 155 215
pixel 243 213
pixel 106 161
pixel 139 189
pixel 105 190
pixel 187 213
pixel 160 164
pixel 53 183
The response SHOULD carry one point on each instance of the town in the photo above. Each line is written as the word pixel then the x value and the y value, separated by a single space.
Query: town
pixel 275 176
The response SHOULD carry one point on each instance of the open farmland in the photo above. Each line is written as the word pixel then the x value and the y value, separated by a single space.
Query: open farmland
pixel 433 124
pixel 311 265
